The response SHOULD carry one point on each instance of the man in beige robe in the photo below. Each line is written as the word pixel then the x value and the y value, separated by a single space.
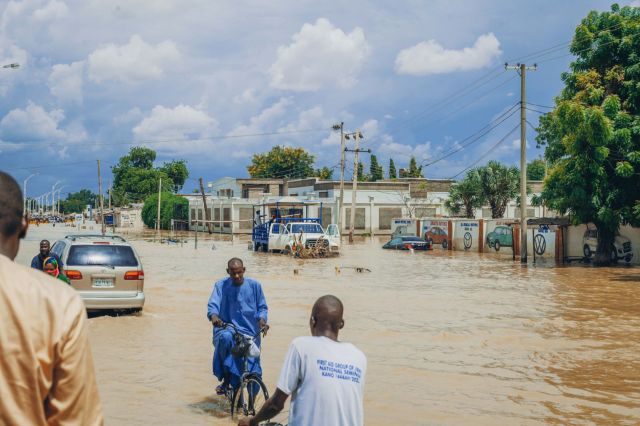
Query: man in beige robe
pixel 46 366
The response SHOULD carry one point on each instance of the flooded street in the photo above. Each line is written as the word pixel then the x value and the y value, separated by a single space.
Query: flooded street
pixel 451 338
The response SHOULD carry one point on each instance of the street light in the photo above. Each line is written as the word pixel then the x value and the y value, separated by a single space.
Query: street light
pixel 58 190
pixel 24 191
pixel 14 65
pixel 53 195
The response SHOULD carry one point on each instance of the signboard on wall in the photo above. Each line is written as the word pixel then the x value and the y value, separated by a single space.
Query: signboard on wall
pixel 543 243
pixel 407 227
pixel 436 231
pixel 498 235
pixel 466 235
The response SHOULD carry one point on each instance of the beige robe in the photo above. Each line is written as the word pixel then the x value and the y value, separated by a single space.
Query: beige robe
pixel 46 366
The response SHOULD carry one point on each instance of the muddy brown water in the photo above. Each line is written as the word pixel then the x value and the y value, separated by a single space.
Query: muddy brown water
pixel 451 338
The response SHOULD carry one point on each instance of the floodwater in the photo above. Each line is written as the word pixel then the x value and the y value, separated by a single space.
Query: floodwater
pixel 451 338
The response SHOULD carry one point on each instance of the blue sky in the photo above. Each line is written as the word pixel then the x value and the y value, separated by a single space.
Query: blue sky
pixel 195 79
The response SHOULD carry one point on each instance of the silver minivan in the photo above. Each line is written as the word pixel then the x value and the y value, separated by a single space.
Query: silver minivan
pixel 104 269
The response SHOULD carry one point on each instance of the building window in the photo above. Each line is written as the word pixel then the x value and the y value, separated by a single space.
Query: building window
pixel 385 214
pixel 246 218
pixel 323 194
pixel 360 218
pixel 423 212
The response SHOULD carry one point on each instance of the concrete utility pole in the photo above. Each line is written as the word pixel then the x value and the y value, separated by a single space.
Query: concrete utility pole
pixel 342 147
pixel 354 189
pixel 207 216
pixel 522 70
pixel 24 192
pixel 104 226
pixel 159 198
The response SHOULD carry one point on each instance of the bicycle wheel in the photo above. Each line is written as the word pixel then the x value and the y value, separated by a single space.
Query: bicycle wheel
pixel 249 397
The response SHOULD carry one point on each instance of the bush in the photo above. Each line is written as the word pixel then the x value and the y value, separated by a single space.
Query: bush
pixel 171 207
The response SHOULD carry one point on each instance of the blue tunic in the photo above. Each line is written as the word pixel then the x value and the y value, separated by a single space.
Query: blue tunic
pixel 243 306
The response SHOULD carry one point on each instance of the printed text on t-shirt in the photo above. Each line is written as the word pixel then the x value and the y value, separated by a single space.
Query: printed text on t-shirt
pixel 337 370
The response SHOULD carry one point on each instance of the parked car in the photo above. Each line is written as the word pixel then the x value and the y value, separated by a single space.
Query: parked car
pixel 406 243
pixel 437 235
pixel 621 248
pixel 105 270
pixel 500 236
pixel 283 237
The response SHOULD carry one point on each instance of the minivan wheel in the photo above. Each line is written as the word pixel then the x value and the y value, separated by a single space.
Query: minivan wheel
pixel 445 244
pixel 496 245
pixel 586 250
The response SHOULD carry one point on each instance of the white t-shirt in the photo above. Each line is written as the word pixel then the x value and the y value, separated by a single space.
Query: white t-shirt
pixel 325 379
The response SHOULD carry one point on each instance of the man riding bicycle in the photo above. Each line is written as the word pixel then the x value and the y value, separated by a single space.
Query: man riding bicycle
pixel 241 302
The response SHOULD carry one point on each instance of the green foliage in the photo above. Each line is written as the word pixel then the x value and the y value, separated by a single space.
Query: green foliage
pixel 499 184
pixel 413 171
pixel 466 195
pixel 177 171
pixel 135 178
pixel 282 162
pixel 171 207
pixel 324 173
pixel 76 202
pixel 362 176
pixel 392 170
pixel 536 169
pixel 592 137
pixel 375 170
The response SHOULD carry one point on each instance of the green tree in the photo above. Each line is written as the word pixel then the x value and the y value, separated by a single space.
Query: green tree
pixel 392 170
pixel 171 207
pixel 177 171
pixel 376 172
pixel 499 184
pixel 76 202
pixel 135 178
pixel 592 137
pixel 362 176
pixel 282 162
pixel 414 171
pixel 324 173
pixel 466 195
pixel 536 169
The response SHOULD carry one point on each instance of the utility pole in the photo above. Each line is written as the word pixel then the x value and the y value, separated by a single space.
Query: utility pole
pixel 24 192
pixel 342 147
pixel 104 230
pixel 207 216
pixel 354 188
pixel 159 197
pixel 522 70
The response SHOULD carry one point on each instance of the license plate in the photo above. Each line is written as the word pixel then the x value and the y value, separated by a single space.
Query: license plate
pixel 103 282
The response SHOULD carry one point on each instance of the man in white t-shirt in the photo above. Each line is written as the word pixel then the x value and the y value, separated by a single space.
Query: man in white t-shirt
pixel 324 377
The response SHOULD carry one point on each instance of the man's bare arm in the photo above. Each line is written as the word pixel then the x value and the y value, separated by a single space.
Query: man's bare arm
pixel 269 410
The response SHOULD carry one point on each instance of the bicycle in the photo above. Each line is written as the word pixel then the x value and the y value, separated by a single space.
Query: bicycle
pixel 246 396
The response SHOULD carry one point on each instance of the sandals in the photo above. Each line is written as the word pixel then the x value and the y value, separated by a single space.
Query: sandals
pixel 221 389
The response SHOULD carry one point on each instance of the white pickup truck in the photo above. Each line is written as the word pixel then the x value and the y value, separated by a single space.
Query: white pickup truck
pixel 283 237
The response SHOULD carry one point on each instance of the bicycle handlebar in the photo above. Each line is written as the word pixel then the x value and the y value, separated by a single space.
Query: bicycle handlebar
pixel 235 329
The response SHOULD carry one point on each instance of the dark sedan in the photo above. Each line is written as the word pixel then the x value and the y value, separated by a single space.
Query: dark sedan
pixel 407 243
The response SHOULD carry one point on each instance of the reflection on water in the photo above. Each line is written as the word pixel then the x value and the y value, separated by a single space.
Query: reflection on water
pixel 451 338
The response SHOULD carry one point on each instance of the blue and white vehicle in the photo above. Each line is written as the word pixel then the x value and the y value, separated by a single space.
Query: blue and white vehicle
pixel 288 227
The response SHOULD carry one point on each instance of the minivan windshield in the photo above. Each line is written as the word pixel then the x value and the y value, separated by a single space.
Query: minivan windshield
pixel 98 255
pixel 307 228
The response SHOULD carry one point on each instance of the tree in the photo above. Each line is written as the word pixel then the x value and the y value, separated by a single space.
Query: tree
pixel 177 171
pixel 413 171
pixel 171 207
pixel 362 176
pixel 466 194
pixel 324 173
pixel 392 170
pixel 76 202
pixel 376 172
pixel 499 184
pixel 536 169
pixel 135 178
pixel 592 137
pixel 282 162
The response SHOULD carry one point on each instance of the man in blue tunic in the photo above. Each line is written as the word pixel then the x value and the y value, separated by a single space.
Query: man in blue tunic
pixel 239 301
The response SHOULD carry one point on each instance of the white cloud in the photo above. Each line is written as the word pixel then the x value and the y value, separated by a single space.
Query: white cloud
pixel 405 152
pixel 133 62
pixel 32 123
pixel 132 115
pixel 320 55
pixel 266 119
pixel 52 10
pixel 184 128
pixel 246 97
pixel 429 57
pixel 65 82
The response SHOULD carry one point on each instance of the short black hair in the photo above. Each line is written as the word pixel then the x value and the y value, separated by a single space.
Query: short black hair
pixel 234 260
pixel 11 208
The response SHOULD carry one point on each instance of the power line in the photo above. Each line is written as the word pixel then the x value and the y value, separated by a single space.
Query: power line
pixel 493 147
pixel 540 106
